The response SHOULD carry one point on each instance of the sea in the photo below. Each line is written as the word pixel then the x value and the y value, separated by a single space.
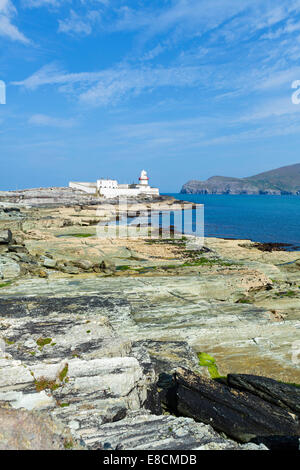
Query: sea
pixel 264 219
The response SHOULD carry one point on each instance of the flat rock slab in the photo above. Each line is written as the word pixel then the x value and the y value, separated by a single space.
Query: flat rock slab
pixel 239 336
pixel 240 415
pixel 166 356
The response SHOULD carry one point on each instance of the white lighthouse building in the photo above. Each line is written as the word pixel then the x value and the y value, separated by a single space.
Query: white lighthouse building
pixel 143 179
pixel 111 188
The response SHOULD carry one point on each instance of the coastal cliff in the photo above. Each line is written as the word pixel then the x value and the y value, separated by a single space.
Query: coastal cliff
pixel 284 180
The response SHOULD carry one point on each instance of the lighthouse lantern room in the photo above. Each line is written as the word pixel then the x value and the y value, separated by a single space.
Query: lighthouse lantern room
pixel 143 179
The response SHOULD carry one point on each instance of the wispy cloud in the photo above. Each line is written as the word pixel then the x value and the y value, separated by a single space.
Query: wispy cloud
pixel 110 85
pixel 49 121
pixel 7 28
pixel 77 24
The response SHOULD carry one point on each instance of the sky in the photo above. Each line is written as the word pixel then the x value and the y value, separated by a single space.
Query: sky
pixel 185 89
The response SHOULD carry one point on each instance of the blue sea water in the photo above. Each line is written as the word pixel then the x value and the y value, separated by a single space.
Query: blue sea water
pixel 258 218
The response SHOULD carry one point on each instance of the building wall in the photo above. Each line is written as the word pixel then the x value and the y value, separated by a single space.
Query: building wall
pixel 107 184
pixel 131 192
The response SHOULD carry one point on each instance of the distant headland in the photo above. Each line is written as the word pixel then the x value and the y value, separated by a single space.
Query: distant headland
pixel 284 180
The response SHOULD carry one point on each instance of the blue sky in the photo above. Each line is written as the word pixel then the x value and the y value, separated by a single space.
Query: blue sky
pixel 186 89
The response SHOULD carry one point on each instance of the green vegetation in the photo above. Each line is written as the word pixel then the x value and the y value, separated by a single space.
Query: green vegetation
pixel 42 384
pixel 62 375
pixel 205 360
pixel 289 293
pixel 8 342
pixel 243 300
pixel 41 342
pixel 206 261
pixel 123 268
pixel 290 383
pixel 78 235
pixel 167 241
pixel 145 269
pixel 5 284
pixel 68 444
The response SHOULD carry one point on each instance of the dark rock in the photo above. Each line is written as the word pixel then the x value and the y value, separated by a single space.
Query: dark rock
pixel 240 415
pixel 17 248
pixel 280 394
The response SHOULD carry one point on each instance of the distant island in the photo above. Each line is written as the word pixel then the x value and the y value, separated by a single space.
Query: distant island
pixel 284 180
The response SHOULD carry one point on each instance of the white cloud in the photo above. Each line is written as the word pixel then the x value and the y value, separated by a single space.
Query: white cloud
pixel 48 121
pixel 7 28
pixel 108 86
pixel 79 24
pixel 43 3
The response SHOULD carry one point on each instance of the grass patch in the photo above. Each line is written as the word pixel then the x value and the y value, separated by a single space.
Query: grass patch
pixel 41 342
pixel 42 384
pixel 123 268
pixel 146 269
pixel 243 300
pixel 8 342
pixel 62 375
pixel 205 360
pixel 206 262
pixel 5 284
pixel 291 383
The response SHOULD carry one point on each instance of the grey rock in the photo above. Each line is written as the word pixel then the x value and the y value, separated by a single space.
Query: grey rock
pixel 167 309
pixel 166 356
pixel 5 236
pixel 49 263
pixel 70 269
pixel 142 431
pixel 85 265
pixel 9 269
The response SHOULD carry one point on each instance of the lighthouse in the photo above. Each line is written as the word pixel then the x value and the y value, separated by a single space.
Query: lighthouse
pixel 143 179
pixel 110 188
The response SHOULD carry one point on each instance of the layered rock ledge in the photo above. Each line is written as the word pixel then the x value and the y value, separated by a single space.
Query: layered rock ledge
pixel 89 324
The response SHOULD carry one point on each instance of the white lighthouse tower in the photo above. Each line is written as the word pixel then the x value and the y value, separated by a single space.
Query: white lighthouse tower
pixel 143 179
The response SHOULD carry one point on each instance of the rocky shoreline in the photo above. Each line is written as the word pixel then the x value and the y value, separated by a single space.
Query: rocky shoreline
pixel 106 341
